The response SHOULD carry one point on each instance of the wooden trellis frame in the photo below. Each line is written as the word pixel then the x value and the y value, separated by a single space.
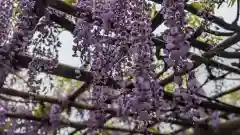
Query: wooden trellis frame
pixel 69 72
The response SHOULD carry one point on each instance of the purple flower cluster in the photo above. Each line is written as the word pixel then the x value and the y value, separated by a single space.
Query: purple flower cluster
pixel 3 117
pixel 176 50
pixel 54 116
pixel 115 40
pixel 45 46
pixel 215 118
pixel 6 7
pixel 24 31
pixel 118 44
pixel 24 28
pixel 175 36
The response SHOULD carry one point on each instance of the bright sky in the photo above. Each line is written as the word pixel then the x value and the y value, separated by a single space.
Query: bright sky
pixel 227 13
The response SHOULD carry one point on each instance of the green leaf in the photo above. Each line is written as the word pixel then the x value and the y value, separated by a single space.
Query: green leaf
pixel 109 123
pixel 232 3
pixel 197 5
pixel 70 2
pixel 40 111
pixel 6 126
pixel 67 79
pixel 169 87
pixel 153 10
pixel 76 133
pixel 153 129
pixel 189 131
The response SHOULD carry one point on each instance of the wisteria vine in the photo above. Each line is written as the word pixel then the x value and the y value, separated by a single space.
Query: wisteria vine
pixel 114 39
pixel 118 45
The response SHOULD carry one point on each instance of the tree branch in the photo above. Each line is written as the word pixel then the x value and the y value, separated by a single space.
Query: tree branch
pixel 227 92
pixel 72 124
pixel 218 33
pixel 157 20
pixel 213 19
pixel 68 25
pixel 69 72
pixel 226 128
pixel 27 95
pixel 214 63
pixel 237 15
pixel 217 49
pixel 52 100
pixel 79 91
pixel 209 17
pixel 61 70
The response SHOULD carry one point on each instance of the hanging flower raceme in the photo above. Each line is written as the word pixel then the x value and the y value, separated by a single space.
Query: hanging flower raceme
pixel 54 116
pixel 44 45
pixel 215 118
pixel 3 116
pixel 25 24
pixel 177 46
pixel 120 31
pixel 175 36
pixel 176 50
pixel 6 7
pixel 118 45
